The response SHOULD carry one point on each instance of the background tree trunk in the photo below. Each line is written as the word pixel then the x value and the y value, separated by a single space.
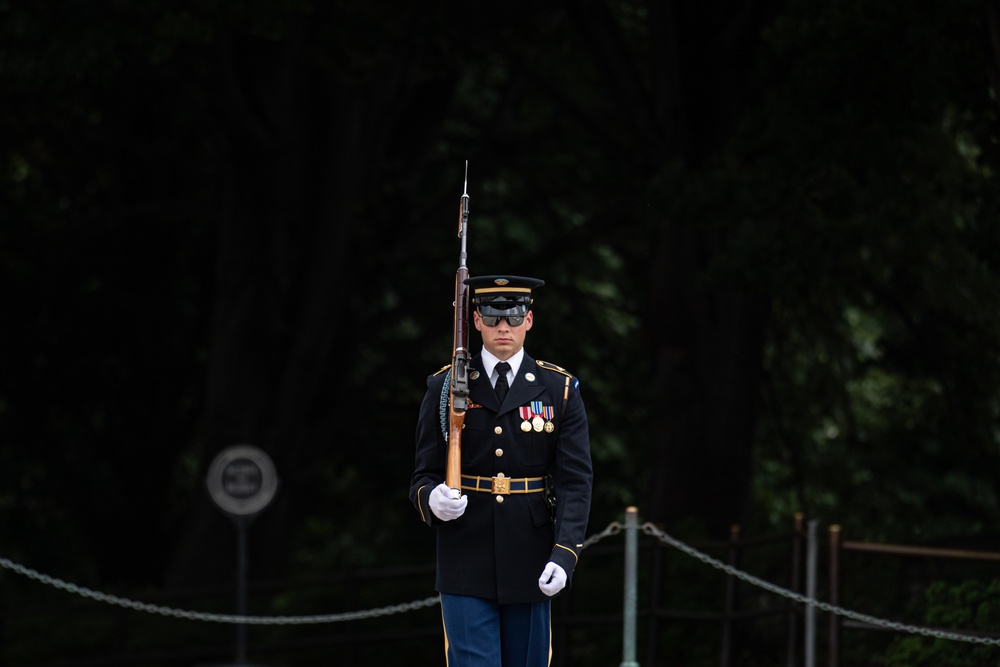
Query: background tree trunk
pixel 707 338
pixel 708 360
pixel 302 148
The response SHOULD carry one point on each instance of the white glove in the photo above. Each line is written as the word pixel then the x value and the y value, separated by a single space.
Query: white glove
pixel 553 579
pixel 447 503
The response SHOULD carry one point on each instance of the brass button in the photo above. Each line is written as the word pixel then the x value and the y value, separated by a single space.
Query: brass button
pixel 499 499
pixel 498 430
pixel 499 452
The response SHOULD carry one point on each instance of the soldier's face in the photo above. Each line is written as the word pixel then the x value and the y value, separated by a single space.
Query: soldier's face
pixel 503 340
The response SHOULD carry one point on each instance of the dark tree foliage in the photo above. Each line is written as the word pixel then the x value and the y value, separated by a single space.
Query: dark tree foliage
pixel 768 233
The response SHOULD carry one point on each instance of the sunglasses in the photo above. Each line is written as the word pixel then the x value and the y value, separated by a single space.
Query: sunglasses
pixel 493 320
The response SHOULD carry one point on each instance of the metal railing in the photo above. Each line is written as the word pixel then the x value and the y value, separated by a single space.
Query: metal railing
pixel 838 545
pixel 800 605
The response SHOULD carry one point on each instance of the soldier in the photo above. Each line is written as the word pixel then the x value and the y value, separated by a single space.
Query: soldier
pixel 512 539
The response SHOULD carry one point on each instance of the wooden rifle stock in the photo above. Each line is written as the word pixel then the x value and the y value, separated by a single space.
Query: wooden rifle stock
pixel 458 400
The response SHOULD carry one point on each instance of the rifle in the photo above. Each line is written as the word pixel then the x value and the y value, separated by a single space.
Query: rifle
pixel 458 401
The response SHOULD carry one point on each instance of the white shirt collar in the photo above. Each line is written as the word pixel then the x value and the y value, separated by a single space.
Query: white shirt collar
pixel 490 361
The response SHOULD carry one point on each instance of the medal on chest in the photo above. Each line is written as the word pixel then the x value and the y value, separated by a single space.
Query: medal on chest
pixel 537 423
pixel 525 413
pixel 537 417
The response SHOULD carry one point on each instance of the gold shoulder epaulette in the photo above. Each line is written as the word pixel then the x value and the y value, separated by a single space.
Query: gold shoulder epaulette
pixel 443 369
pixel 552 367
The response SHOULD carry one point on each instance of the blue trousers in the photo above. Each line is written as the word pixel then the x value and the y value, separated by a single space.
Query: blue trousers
pixel 482 633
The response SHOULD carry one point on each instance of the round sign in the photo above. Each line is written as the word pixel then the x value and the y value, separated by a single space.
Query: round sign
pixel 242 480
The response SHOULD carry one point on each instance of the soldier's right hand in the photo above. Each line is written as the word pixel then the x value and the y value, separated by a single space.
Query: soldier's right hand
pixel 447 503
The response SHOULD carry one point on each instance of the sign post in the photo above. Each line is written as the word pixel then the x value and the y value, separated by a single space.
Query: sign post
pixel 242 482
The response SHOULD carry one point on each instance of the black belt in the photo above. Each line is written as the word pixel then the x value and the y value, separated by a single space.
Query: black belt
pixel 502 485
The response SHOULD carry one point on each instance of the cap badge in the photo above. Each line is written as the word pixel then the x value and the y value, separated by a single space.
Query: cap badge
pixel 501 281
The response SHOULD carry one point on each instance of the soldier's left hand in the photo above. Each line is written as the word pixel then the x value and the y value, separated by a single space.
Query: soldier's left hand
pixel 553 579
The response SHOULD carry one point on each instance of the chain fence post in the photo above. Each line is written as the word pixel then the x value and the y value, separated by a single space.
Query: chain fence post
pixel 810 610
pixel 835 537
pixel 631 558
pixel 795 584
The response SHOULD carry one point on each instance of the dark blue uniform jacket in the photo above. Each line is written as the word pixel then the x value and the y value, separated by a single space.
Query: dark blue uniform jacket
pixel 497 550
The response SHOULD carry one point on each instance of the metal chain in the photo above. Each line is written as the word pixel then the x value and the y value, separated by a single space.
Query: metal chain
pixel 613 528
pixel 650 529
pixel 217 618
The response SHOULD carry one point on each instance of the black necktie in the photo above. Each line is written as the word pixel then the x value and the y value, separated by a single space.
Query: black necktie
pixel 501 386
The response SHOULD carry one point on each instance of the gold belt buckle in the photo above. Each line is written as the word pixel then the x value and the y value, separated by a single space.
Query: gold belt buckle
pixel 501 485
